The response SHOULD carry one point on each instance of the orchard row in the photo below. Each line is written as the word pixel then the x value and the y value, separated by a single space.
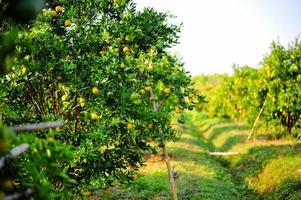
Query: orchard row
pixel 271 93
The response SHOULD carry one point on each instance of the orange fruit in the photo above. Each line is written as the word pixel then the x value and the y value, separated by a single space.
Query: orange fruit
pixel 167 90
pixel 122 66
pixel 130 126
pixel 59 9
pixel 87 193
pixel 94 116
pixel 95 91
pixel 65 97
pixel 126 50
pixel 178 110
pixel 53 13
pixel 150 126
pixel 147 88
pixel 67 23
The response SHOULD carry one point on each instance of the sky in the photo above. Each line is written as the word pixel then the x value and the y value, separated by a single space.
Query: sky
pixel 219 33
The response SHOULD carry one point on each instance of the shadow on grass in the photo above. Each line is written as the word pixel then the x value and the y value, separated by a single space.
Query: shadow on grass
pixel 216 129
pixel 290 189
pixel 224 129
pixel 231 141
pixel 199 142
pixel 189 187
pixel 150 186
pixel 258 157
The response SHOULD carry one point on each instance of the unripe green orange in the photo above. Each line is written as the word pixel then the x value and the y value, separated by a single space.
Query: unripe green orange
pixel 95 91
pixel 167 90
pixel 94 116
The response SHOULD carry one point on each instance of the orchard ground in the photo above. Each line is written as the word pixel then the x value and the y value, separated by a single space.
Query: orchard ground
pixel 266 168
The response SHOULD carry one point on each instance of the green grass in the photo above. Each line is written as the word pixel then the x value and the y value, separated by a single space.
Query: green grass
pixel 265 169
pixel 200 175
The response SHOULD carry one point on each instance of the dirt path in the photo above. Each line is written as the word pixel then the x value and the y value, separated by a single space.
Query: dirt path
pixel 200 176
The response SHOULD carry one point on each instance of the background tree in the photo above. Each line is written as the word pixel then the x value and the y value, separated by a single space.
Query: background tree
pixel 282 74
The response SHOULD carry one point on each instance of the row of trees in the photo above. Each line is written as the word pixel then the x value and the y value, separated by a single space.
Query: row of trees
pixel 273 90
pixel 104 69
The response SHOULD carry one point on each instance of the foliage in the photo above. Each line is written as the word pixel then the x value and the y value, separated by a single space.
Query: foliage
pixel 282 73
pixel 238 96
pixel 274 87
pixel 105 70
pixel 40 168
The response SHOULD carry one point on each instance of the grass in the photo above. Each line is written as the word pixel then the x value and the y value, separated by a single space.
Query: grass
pixel 265 169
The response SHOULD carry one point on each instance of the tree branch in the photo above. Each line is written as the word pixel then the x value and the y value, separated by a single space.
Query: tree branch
pixel 13 154
pixel 37 126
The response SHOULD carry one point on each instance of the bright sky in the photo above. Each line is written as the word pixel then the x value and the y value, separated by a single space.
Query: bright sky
pixel 219 33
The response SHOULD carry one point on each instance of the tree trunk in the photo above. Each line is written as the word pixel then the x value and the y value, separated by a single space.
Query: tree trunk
pixel 289 130
pixel 170 174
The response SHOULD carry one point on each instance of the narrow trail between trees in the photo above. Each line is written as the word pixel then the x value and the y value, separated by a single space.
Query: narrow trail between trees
pixel 199 175
pixel 264 169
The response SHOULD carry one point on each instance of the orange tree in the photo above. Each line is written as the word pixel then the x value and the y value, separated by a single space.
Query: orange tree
pixel 236 96
pixel 247 92
pixel 104 68
pixel 29 165
pixel 282 77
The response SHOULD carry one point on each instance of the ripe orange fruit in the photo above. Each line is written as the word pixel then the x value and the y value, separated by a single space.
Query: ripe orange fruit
pixel 67 23
pixel 53 13
pixel 126 50
pixel 178 110
pixel 59 9
pixel 130 126
pixel 167 90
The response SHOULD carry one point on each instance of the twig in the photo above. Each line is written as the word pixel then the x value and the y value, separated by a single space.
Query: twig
pixel 296 141
pixel 257 118
pixel 37 126
pixel 13 154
